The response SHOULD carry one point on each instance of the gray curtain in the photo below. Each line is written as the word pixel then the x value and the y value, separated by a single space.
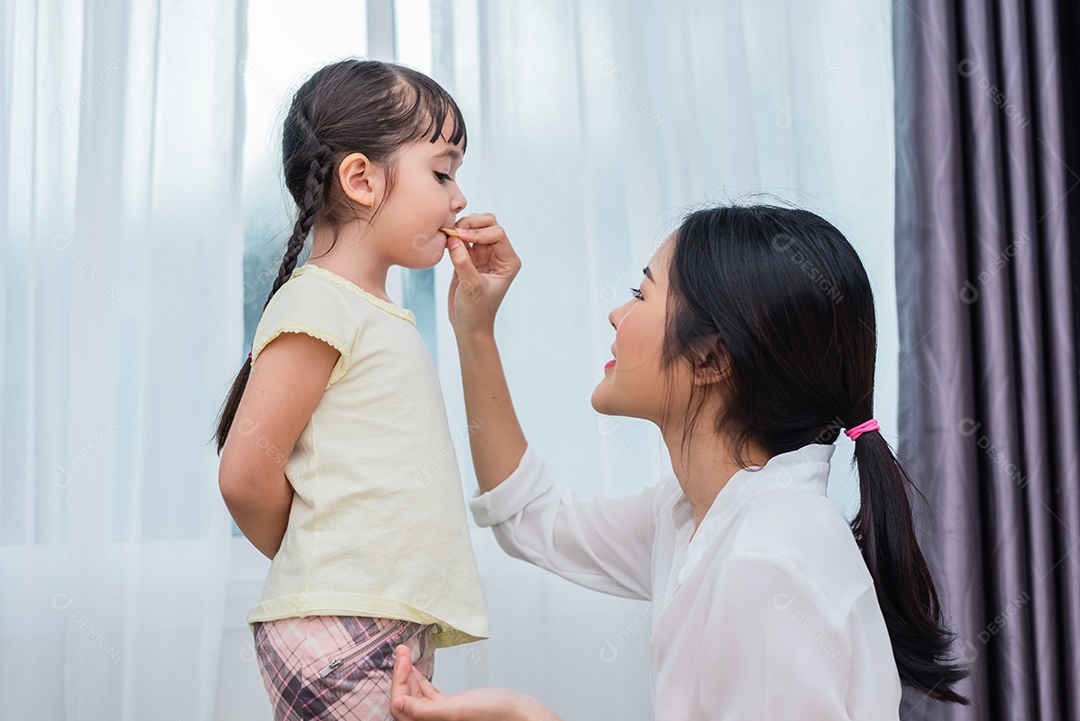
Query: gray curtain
pixel 986 244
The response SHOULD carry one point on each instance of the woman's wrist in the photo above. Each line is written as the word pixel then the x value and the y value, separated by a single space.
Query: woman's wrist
pixel 475 336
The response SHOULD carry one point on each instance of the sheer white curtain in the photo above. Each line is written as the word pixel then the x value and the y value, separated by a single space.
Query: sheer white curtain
pixel 593 126
pixel 120 129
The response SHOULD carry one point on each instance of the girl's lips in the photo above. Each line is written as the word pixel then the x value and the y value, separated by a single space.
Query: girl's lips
pixel 610 364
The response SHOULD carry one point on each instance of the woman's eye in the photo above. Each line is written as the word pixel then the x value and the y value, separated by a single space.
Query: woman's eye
pixel 636 292
pixel 441 177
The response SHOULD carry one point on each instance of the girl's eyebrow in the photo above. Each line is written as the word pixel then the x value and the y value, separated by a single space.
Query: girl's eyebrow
pixel 453 153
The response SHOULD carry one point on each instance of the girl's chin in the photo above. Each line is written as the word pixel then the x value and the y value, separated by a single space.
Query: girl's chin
pixel 422 261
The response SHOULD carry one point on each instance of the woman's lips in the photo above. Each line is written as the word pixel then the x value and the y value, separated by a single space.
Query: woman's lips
pixel 610 364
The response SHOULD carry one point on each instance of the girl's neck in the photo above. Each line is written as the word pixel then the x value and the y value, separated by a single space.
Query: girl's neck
pixel 704 464
pixel 352 257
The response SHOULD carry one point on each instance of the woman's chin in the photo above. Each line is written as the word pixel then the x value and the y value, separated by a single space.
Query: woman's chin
pixel 597 401
pixel 602 402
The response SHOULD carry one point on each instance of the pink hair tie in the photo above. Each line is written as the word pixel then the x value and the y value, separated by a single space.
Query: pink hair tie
pixel 870 425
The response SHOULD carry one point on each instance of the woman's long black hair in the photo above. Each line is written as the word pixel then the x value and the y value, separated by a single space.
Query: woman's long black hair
pixel 352 106
pixel 781 297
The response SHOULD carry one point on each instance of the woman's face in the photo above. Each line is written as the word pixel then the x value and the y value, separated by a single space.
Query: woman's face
pixel 635 380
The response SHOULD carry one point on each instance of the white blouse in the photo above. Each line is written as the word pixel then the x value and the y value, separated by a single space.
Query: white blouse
pixel 767 612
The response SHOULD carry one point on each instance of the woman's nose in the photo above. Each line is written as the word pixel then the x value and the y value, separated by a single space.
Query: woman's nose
pixel 616 316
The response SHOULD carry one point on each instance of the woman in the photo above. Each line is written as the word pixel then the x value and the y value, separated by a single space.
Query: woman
pixel 750 344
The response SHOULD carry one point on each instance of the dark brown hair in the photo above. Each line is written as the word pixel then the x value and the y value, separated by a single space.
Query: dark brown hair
pixel 780 299
pixel 352 106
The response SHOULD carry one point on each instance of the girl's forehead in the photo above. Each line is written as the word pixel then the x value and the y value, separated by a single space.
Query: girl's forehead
pixel 447 132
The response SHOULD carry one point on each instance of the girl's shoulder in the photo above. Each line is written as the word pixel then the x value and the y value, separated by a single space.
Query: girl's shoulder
pixel 317 284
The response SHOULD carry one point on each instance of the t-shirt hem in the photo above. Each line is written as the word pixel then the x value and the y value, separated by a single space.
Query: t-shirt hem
pixel 447 632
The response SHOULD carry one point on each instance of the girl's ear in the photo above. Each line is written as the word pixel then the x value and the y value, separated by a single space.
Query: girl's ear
pixel 711 368
pixel 360 179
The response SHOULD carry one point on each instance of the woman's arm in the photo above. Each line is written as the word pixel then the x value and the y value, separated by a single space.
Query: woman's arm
pixel 603 543
pixel 285 386
pixel 483 271
pixel 495 436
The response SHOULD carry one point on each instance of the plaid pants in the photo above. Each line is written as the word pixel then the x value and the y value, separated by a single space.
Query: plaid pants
pixel 336 668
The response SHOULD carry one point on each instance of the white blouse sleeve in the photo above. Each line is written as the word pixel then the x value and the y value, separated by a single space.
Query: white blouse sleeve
pixel 603 543
pixel 773 648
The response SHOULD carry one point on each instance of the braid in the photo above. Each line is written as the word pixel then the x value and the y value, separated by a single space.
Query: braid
pixel 314 191
pixel 310 205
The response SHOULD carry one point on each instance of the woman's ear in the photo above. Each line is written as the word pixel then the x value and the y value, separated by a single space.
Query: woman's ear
pixel 711 368
pixel 360 179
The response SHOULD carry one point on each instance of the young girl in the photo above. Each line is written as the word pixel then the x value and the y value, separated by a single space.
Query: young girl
pixel 336 457
pixel 750 344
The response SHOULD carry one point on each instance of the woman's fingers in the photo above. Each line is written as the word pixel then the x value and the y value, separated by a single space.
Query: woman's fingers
pixel 493 251
pixel 409 708
pixel 476 220
pixel 484 236
pixel 403 684
pixel 402 667
pixel 466 272
pixel 484 266
pixel 427 687
pixel 408 686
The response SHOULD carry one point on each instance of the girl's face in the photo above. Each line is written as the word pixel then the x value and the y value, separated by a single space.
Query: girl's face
pixel 635 380
pixel 424 198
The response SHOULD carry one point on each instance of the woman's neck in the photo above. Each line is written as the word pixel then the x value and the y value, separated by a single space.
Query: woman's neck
pixel 704 464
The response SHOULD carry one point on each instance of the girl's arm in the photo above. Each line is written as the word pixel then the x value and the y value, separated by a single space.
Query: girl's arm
pixel 285 386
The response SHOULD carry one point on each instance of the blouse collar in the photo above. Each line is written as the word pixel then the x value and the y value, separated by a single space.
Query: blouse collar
pixel 804 469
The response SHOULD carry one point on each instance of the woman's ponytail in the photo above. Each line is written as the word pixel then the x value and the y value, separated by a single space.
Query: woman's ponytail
pixel 885 532
pixel 318 172
pixel 783 297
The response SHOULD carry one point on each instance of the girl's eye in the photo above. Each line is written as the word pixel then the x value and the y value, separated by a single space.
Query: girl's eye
pixel 636 292
pixel 441 177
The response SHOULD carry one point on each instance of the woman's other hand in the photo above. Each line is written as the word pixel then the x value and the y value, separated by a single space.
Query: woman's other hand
pixel 414 698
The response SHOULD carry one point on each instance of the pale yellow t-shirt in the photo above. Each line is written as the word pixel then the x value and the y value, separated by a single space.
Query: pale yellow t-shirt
pixel 377 525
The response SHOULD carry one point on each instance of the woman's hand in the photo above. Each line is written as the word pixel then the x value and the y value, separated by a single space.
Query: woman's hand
pixel 484 266
pixel 413 698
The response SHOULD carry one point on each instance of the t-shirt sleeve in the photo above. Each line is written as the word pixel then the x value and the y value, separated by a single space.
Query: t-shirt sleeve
pixel 315 308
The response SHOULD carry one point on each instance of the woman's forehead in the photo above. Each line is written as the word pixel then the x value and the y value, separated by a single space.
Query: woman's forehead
pixel 658 263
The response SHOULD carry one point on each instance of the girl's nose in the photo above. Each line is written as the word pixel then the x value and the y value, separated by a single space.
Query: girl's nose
pixel 458 202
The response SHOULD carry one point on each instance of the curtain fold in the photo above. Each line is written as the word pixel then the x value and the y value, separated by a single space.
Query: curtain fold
pixel 988 373
pixel 121 131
